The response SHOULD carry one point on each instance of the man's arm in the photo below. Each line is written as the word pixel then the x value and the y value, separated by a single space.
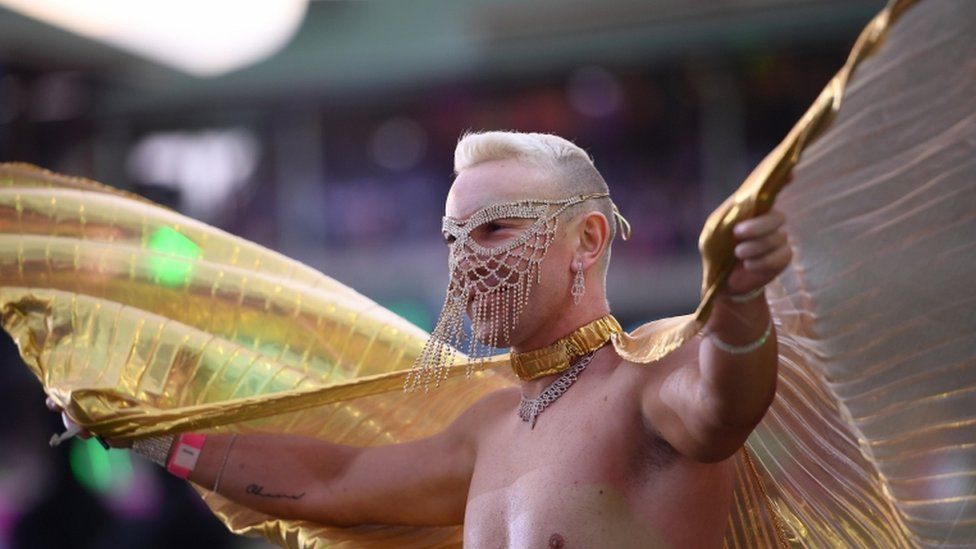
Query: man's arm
pixel 421 483
pixel 424 482
pixel 706 408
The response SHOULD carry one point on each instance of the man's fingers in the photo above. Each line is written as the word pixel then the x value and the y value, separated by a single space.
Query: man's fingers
pixel 772 263
pixel 69 423
pixel 758 247
pixel 759 226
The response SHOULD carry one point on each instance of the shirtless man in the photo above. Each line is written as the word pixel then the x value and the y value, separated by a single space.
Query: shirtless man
pixel 629 456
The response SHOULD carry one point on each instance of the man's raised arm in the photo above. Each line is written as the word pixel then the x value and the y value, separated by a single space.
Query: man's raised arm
pixel 707 407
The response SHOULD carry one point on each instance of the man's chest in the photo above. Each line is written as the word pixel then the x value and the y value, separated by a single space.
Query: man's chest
pixel 571 477
pixel 585 433
pixel 546 508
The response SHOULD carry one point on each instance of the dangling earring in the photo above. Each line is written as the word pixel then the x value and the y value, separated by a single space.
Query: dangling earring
pixel 579 284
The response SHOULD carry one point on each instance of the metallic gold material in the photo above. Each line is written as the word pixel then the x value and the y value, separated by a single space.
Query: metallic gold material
pixel 868 441
pixel 779 527
pixel 142 322
pixel 558 356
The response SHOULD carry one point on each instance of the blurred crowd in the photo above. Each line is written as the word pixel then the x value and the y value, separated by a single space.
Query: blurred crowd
pixel 385 166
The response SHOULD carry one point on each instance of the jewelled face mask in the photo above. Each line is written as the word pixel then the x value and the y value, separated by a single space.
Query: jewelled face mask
pixel 493 280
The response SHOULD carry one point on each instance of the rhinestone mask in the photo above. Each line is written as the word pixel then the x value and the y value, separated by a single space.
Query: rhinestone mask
pixel 495 279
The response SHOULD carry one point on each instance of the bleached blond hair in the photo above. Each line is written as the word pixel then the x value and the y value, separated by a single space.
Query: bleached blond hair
pixel 538 148
pixel 570 167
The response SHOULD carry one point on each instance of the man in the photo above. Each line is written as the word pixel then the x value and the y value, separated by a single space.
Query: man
pixel 588 450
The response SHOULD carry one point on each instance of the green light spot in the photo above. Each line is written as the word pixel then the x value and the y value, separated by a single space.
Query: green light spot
pixel 175 269
pixel 412 310
pixel 97 469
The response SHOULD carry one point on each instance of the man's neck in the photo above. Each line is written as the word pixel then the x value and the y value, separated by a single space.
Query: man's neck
pixel 563 326
pixel 534 387
pixel 538 368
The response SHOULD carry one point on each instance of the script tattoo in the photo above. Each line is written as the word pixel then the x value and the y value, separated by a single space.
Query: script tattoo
pixel 258 490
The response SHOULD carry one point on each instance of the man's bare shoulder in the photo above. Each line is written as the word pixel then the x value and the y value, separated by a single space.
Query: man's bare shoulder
pixel 684 357
pixel 487 411
pixel 666 393
pixel 497 401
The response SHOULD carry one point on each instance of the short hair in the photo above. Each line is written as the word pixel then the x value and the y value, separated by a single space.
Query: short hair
pixel 571 168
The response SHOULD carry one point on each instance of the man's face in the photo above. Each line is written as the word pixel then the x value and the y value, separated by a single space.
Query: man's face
pixel 504 182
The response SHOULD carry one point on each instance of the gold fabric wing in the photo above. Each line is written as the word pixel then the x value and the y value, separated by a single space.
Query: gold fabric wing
pixel 869 441
pixel 140 321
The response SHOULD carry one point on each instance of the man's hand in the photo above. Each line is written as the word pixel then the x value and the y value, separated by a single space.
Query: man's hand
pixel 763 252
pixel 68 423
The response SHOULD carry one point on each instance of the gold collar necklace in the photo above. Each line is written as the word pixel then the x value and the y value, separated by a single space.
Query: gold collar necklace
pixel 557 357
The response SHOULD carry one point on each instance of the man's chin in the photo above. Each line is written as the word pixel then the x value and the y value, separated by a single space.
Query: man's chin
pixel 483 333
pixel 493 327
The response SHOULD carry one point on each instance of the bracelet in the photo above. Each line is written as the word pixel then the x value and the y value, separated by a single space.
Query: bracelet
pixel 742 349
pixel 184 457
pixel 746 297
pixel 155 449
pixel 223 463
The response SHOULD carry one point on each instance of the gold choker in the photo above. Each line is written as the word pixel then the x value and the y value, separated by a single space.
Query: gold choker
pixel 557 357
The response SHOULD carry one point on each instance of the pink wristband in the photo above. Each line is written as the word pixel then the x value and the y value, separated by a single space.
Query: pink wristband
pixel 184 456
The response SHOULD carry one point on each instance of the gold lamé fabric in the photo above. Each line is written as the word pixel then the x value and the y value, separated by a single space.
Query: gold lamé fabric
pixel 140 321
pixel 557 357
pixel 870 440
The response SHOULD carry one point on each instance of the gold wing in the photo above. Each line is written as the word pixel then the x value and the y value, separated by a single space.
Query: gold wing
pixel 871 440
pixel 140 321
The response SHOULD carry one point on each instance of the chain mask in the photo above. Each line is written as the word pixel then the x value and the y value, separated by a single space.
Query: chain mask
pixel 496 280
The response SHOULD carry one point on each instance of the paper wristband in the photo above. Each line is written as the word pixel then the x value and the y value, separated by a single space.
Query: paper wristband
pixel 184 457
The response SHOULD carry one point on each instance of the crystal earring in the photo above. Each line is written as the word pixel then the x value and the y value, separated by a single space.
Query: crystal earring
pixel 579 284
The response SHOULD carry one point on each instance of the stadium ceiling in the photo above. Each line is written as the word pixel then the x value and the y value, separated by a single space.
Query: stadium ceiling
pixel 392 46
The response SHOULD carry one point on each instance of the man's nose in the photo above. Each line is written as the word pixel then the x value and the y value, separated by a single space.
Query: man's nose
pixel 461 262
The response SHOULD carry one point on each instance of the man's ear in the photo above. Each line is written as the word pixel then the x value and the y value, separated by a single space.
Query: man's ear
pixel 594 237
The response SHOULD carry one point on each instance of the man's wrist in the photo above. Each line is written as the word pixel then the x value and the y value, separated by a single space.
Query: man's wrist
pixel 178 454
pixel 155 449
pixel 742 349
pixel 747 297
pixel 186 451
pixel 740 323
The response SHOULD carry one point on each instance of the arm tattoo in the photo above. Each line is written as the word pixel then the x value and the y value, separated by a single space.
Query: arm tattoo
pixel 258 490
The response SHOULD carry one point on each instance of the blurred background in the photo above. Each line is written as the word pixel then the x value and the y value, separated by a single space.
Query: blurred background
pixel 325 130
